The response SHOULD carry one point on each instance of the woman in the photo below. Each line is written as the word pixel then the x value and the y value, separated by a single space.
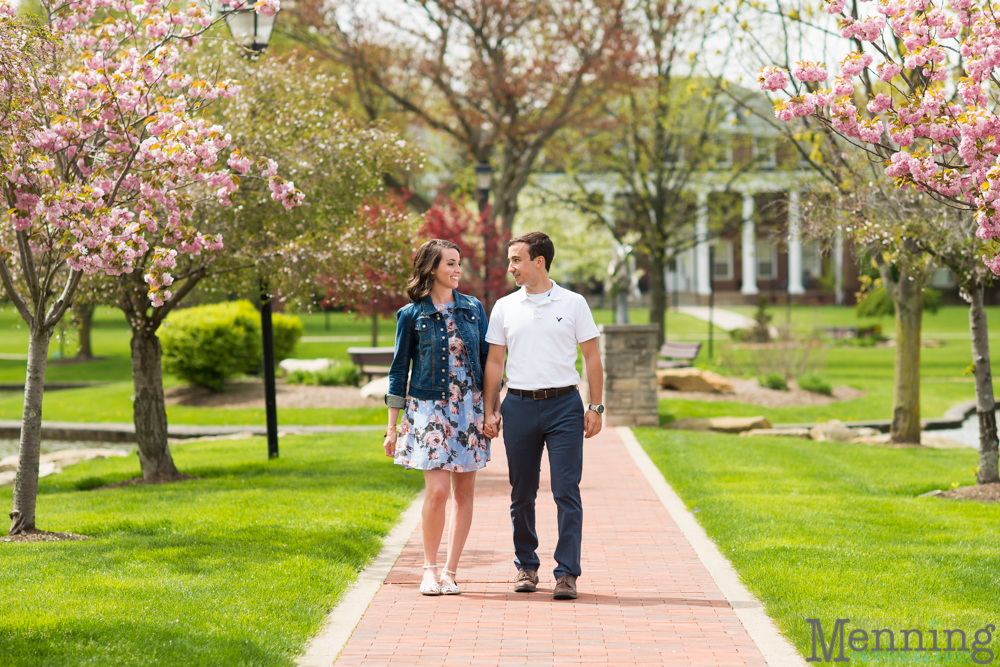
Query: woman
pixel 443 333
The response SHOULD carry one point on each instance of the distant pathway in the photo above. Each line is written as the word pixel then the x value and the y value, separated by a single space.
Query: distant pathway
pixel 722 318
pixel 645 596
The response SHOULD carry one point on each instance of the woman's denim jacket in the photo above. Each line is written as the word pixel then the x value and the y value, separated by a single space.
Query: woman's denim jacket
pixel 421 338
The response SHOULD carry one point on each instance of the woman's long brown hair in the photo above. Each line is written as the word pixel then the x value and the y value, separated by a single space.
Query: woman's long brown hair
pixel 425 262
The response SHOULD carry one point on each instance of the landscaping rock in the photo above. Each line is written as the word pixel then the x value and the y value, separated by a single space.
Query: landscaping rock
pixel 52 463
pixel 377 388
pixel 689 425
pixel 45 468
pixel 941 442
pixel 307 365
pixel 737 424
pixel 833 430
pixel 68 457
pixel 693 379
pixel 778 432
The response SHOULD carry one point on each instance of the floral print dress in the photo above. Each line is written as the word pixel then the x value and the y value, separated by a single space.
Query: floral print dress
pixel 446 434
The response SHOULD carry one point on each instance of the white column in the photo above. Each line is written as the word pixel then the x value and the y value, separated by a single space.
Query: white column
pixel 794 245
pixel 749 248
pixel 838 268
pixel 703 276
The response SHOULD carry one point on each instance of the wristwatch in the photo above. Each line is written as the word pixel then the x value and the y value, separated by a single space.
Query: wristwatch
pixel 599 409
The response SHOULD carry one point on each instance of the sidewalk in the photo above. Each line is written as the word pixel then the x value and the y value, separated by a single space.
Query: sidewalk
pixel 645 596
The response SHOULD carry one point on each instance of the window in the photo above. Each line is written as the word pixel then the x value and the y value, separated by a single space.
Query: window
pixel 675 156
pixel 763 152
pixel 812 262
pixel 767 260
pixel 942 279
pixel 722 260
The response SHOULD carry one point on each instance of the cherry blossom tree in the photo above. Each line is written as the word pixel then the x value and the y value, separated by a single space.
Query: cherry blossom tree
pixel 103 139
pixel 348 237
pixel 496 78
pixel 918 94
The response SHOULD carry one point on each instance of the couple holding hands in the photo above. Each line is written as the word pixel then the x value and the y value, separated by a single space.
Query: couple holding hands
pixel 449 400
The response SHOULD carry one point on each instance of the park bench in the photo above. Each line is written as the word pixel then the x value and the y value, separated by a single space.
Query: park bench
pixel 841 332
pixel 372 361
pixel 678 355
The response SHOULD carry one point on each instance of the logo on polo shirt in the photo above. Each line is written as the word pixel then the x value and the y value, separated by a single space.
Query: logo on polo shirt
pixel 558 319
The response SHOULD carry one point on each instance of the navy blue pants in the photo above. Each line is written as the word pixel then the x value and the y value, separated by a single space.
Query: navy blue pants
pixel 530 426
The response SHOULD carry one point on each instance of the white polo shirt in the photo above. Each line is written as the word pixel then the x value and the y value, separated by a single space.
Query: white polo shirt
pixel 541 332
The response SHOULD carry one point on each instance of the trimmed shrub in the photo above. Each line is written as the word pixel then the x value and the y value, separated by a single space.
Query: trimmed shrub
pixel 288 330
pixel 336 375
pixel 207 345
pixel 878 303
pixel 815 383
pixel 774 381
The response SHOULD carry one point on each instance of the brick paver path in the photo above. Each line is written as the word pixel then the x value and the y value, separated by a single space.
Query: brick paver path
pixel 645 597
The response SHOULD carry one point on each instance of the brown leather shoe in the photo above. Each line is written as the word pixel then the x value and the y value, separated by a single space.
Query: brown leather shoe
pixel 565 588
pixel 527 581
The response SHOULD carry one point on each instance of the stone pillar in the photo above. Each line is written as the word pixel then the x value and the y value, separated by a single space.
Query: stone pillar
pixel 749 248
pixel 629 353
pixel 794 245
pixel 838 268
pixel 702 276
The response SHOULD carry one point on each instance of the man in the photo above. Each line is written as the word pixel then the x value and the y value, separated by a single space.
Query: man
pixel 538 329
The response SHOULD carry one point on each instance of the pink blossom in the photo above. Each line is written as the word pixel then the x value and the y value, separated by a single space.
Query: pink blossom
pixel 887 71
pixel 842 86
pixel 879 103
pixel 772 78
pixel 854 64
pixel 809 71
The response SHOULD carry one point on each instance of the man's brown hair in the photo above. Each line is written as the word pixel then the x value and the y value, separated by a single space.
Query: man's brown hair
pixel 539 245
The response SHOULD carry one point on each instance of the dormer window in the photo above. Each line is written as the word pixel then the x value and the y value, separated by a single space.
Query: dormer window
pixel 764 153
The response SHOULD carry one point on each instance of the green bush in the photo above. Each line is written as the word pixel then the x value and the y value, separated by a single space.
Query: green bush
pixel 877 303
pixel 337 375
pixel 774 381
pixel 288 330
pixel 207 345
pixel 815 383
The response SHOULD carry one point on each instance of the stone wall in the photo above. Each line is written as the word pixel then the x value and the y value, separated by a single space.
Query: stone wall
pixel 628 352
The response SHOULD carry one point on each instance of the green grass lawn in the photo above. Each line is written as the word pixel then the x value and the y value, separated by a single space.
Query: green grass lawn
pixel 113 403
pixel 329 335
pixel 835 530
pixel 237 568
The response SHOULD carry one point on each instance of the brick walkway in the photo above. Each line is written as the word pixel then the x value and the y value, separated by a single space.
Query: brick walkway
pixel 645 597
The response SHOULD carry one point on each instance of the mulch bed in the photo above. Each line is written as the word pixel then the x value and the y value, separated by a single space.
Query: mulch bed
pixel 35 535
pixel 984 493
pixel 139 481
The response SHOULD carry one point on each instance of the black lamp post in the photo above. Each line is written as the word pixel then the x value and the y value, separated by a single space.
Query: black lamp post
pixel 484 181
pixel 253 31
pixel 248 28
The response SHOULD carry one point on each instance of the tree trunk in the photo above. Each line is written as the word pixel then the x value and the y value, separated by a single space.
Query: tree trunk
pixel 149 409
pixel 374 329
pixel 985 408
pixel 22 514
pixel 909 304
pixel 85 314
pixel 657 297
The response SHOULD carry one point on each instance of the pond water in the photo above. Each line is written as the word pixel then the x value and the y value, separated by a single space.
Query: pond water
pixel 968 434
pixel 8 447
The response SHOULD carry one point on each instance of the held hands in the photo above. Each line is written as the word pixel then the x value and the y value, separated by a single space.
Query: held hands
pixel 592 422
pixel 390 442
pixel 491 427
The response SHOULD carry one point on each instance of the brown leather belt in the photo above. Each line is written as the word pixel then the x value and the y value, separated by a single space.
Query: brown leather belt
pixel 540 394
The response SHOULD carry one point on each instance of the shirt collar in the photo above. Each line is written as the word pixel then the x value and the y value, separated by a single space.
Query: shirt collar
pixel 555 294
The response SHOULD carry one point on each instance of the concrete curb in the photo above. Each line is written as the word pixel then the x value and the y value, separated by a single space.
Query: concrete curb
pixel 777 651
pixel 323 649
pixel 125 432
